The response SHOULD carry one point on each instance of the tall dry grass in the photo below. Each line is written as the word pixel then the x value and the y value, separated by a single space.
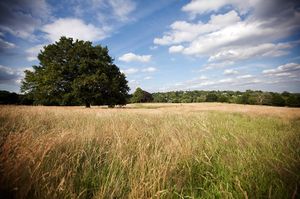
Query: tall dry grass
pixel 148 151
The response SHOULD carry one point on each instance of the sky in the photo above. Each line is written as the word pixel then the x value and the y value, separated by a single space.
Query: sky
pixel 164 45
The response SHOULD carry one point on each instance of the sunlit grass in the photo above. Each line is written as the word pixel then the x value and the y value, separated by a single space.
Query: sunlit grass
pixel 59 152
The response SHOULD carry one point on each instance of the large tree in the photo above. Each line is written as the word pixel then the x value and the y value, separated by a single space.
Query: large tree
pixel 75 72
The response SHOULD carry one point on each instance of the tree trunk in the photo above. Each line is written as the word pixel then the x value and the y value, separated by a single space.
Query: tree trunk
pixel 87 105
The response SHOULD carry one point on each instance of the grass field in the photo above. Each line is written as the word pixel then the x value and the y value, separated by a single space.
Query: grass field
pixel 150 151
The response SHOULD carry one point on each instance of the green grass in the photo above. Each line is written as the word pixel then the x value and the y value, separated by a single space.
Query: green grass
pixel 78 153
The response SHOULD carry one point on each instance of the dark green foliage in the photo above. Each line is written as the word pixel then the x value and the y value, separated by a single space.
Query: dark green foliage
pixel 267 98
pixel 8 98
pixel 285 94
pixel 75 73
pixel 223 98
pixel 293 100
pixel 211 97
pixel 159 97
pixel 238 97
pixel 141 96
pixel 25 100
pixel 277 100
pixel 244 98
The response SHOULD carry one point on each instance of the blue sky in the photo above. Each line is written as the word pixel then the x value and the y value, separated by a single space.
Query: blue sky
pixel 164 45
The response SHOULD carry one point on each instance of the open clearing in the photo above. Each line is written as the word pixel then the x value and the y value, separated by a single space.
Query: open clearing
pixel 202 150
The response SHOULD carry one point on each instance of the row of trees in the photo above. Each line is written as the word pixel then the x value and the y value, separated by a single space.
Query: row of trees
pixel 7 97
pixel 237 97
pixel 141 96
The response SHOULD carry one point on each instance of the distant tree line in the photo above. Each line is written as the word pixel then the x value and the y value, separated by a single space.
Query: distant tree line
pixel 7 97
pixel 141 96
pixel 236 97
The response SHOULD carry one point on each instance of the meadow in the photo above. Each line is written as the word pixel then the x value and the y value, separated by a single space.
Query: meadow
pixel 207 150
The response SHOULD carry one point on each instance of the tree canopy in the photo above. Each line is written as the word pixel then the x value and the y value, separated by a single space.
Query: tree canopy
pixel 141 96
pixel 75 72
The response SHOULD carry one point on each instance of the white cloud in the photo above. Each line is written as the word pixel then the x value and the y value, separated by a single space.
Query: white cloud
pixel 153 47
pixel 203 6
pixel 118 9
pixel 206 38
pixel 246 52
pixel 149 69
pixel 122 8
pixel 286 70
pixel 229 37
pixel 130 57
pixel 6 45
pixel 112 13
pixel 223 20
pixel 244 76
pixel 147 78
pixel 176 49
pixel 130 71
pixel 202 77
pixel 75 28
pixel 21 18
pixel 230 72
pixel 132 81
pixel 182 31
pixel 238 34
pixel 226 80
pixel 214 83
pixel 215 65
pixel 33 52
pixel 9 75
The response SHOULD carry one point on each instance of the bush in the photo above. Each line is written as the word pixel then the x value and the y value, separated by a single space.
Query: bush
pixel 140 96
